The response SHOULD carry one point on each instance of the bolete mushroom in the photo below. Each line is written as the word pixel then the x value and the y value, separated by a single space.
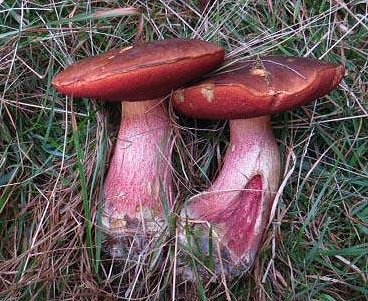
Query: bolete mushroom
pixel 237 206
pixel 138 181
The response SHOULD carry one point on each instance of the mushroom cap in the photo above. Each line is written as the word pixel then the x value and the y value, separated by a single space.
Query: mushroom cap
pixel 254 88
pixel 142 72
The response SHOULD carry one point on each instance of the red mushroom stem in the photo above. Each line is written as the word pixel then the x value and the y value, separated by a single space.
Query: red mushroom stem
pixel 239 201
pixel 139 178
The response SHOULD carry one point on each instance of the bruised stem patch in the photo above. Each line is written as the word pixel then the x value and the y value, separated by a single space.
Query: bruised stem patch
pixel 240 217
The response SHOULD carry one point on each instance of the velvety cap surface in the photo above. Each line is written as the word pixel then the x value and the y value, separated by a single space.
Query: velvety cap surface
pixel 142 72
pixel 260 87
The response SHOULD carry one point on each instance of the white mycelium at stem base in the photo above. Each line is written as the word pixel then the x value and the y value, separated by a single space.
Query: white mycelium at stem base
pixel 139 177
pixel 238 203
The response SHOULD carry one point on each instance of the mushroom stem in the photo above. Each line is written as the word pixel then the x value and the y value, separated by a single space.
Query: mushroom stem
pixel 237 205
pixel 138 181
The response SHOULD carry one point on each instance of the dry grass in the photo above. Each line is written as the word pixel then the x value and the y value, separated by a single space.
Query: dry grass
pixel 54 151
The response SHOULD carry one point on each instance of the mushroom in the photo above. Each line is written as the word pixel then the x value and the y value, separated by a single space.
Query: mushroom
pixel 236 208
pixel 138 182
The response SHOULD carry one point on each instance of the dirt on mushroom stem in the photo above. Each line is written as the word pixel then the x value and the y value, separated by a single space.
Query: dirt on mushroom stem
pixel 138 182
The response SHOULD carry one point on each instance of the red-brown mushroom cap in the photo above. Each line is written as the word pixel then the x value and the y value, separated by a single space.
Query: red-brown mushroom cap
pixel 142 72
pixel 260 87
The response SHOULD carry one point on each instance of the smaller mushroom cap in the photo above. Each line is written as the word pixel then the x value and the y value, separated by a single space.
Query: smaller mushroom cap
pixel 142 72
pixel 259 87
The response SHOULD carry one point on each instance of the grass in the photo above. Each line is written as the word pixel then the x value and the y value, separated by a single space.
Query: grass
pixel 54 151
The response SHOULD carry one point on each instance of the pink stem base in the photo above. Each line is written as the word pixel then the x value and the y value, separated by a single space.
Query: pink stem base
pixel 138 182
pixel 237 205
